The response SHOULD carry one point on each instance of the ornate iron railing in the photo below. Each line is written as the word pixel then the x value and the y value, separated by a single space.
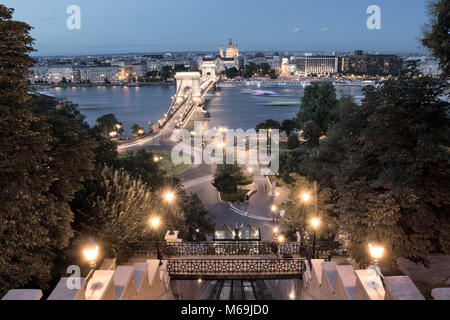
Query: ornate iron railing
pixel 235 266
pixel 166 250
pixel 216 248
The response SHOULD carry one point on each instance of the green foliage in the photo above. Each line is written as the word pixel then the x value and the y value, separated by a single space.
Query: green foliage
pixel 107 124
pixel 436 34
pixel 298 215
pixel 393 183
pixel 166 73
pixel 142 165
pixel 312 133
pixel 260 70
pixel 228 176
pixel 268 124
pixel 289 126
pixel 317 106
pixel 231 73
pixel 292 142
pixel 294 161
pixel 117 212
pixel 137 130
pixel 47 154
pixel 15 45
pixel 196 217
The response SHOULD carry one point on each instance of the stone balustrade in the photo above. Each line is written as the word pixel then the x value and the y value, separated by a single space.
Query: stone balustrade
pixel 325 280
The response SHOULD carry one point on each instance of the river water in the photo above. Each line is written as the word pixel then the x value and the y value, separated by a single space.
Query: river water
pixel 233 107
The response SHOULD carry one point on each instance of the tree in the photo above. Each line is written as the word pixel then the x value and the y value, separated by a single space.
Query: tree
pixel 298 215
pixel 38 182
pixel 45 157
pixel 293 161
pixel 435 34
pixel 231 73
pixel 196 224
pixel 117 212
pixel 166 72
pixel 141 165
pixel 107 124
pixel 137 130
pixel 292 142
pixel 268 124
pixel 289 126
pixel 15 45
pixel 63 80
pixel 323 163
pixel 317 105
pixel 312 133
pixel 227 178
pixel 394 182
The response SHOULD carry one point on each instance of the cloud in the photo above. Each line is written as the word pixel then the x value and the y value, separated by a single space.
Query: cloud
pixel 295 30
pixel 326 29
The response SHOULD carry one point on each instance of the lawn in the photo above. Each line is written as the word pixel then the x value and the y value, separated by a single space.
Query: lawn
pixel 166 163
pixel 238 196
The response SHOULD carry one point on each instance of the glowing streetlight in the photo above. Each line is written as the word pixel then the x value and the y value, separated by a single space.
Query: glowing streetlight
pixel 275 231
pixel 169 196
pixel 315 223
pixel 155 159
pixel 273 208
pixel 90 253
pixel 292 295
pixel 280 238
pixel 141 132
pixel 112 134
pixel 155 222
pixel 376 251
pixel 305 196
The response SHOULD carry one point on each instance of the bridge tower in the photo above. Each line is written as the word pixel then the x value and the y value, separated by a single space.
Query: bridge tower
pixel 208 71
pixel 188 81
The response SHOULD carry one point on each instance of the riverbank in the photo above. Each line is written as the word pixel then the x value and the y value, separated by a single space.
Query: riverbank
pixel 96 85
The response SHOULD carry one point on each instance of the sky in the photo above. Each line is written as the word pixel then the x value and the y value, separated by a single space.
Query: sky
pixel 119 26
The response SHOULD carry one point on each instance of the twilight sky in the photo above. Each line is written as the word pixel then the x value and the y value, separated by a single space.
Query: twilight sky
pixel 118 26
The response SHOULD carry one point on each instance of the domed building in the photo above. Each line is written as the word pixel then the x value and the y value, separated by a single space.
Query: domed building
pixel 231 51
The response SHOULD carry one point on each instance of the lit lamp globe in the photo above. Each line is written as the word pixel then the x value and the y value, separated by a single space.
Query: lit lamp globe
pixel 91 253
pixel 315 223
pixel 280 239
pixel 169 196
pixel 154 222
pixel 112 134
pixel 305 196
pixel 273 208
pixel 376 251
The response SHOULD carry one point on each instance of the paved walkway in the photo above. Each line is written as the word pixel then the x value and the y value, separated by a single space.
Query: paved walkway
pixel 438 272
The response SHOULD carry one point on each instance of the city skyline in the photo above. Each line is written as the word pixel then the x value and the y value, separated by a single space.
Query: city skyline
pixel 296 26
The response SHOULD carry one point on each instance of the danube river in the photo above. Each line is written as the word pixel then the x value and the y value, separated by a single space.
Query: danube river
pixel 233 107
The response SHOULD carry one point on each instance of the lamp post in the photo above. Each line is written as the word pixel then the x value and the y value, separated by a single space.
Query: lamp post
pixel 305 196
pixel 90 253
pixel 273 208
pixel 168 197
pixel 315 223
pixel 155 224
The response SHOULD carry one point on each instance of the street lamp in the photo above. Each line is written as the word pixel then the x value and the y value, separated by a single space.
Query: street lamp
pixel 90 253
pixel 154 222
pixel 376 251
pixel 305 196
pixel 112 134
pixel 273 208
pixel 315 223
pixel 169 196
pixel 280 239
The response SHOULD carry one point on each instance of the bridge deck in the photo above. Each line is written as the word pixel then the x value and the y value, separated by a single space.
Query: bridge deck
pixel 240 268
